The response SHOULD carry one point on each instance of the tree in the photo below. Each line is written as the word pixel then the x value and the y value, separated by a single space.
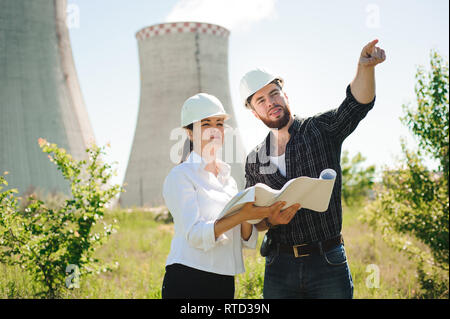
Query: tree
pixel 413 201
pixel 357 181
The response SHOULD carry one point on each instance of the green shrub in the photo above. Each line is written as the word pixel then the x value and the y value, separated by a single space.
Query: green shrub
pixel 56 246
pixel 413 200
pixel 357 181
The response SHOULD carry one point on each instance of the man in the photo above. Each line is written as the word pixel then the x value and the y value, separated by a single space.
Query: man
pixel 305 252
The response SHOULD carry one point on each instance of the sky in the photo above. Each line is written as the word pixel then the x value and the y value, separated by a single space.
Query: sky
pixel 313 45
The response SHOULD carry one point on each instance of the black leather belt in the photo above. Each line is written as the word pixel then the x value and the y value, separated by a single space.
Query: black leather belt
pixel 304 250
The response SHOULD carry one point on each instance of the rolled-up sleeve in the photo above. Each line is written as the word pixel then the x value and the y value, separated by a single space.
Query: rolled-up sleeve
pixel 251 242
pixel 181 199
pixel 341 122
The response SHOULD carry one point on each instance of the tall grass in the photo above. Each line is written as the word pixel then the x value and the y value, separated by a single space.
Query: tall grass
pixel 141 246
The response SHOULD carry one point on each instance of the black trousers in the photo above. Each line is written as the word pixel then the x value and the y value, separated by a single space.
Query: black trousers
pixel 183 282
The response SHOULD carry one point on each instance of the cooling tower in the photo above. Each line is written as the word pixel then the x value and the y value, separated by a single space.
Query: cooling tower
pixel 177 60
pixel 39 94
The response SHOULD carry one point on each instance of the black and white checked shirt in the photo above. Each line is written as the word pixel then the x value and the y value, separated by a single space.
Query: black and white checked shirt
pixel 315 144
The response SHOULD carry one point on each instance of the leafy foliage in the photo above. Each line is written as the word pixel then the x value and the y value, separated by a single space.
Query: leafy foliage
pixel 357 181
pixel 429 121
pixel 413 201
pixel 48 242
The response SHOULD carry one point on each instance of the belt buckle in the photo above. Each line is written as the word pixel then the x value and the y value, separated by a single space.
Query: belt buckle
pixel 296 254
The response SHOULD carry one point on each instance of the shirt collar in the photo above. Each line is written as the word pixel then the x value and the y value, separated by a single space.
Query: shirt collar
pixel 295 126
pixel 199 163
pixel 293 129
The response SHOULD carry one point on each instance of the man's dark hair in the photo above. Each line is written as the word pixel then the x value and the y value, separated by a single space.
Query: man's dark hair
pixel 277 82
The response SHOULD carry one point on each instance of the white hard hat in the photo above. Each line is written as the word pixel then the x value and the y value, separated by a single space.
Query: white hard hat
pixel 255 80
pixel 199 107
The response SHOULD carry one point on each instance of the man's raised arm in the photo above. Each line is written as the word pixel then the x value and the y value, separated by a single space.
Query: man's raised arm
pixel 363 85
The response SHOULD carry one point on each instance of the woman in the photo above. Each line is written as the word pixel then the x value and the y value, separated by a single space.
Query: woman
pixel 206 252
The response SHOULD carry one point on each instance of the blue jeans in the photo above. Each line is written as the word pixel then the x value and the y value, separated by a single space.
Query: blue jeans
pixel 325 275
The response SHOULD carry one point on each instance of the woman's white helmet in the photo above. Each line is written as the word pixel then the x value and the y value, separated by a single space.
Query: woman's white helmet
pixel 201 106
pixel 254 80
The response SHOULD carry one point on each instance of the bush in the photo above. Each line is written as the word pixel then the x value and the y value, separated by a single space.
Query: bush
pixel 56 246
pixel 357 181
pixel 413 201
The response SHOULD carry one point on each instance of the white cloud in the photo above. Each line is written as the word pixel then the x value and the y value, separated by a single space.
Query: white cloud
pixel 232 14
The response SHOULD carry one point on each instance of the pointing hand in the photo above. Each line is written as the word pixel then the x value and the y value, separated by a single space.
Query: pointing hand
pixel 372 55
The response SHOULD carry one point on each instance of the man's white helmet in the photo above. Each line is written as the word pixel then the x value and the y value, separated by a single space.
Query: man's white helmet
pixel 255 80
pixel 201 106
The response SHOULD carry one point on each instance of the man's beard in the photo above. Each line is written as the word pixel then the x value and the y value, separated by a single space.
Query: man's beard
pixel 281 122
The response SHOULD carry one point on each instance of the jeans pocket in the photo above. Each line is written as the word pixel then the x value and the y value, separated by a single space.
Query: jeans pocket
pixel 336 256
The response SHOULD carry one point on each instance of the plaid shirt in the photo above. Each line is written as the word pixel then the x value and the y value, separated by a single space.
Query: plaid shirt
pixel 315 144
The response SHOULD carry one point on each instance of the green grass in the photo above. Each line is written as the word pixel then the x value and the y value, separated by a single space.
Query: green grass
pixel 364 247
pixel 141 246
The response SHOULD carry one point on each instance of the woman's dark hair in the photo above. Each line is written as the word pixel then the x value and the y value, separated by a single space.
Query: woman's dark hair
pixel 188 144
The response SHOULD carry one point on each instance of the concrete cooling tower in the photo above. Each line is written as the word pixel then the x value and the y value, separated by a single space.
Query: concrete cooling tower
pixel 40 95
pixel 177 60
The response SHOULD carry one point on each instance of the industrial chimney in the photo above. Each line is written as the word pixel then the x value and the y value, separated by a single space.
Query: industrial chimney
pixel 39 94
pixel 177 60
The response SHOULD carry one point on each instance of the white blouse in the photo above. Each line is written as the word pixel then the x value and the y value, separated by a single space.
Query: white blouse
pixel 195 197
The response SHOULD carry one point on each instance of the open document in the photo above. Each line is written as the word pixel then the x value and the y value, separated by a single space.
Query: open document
pixel 310 193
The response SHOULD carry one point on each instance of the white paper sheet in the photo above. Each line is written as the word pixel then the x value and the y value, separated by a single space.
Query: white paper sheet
pixel 310 193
